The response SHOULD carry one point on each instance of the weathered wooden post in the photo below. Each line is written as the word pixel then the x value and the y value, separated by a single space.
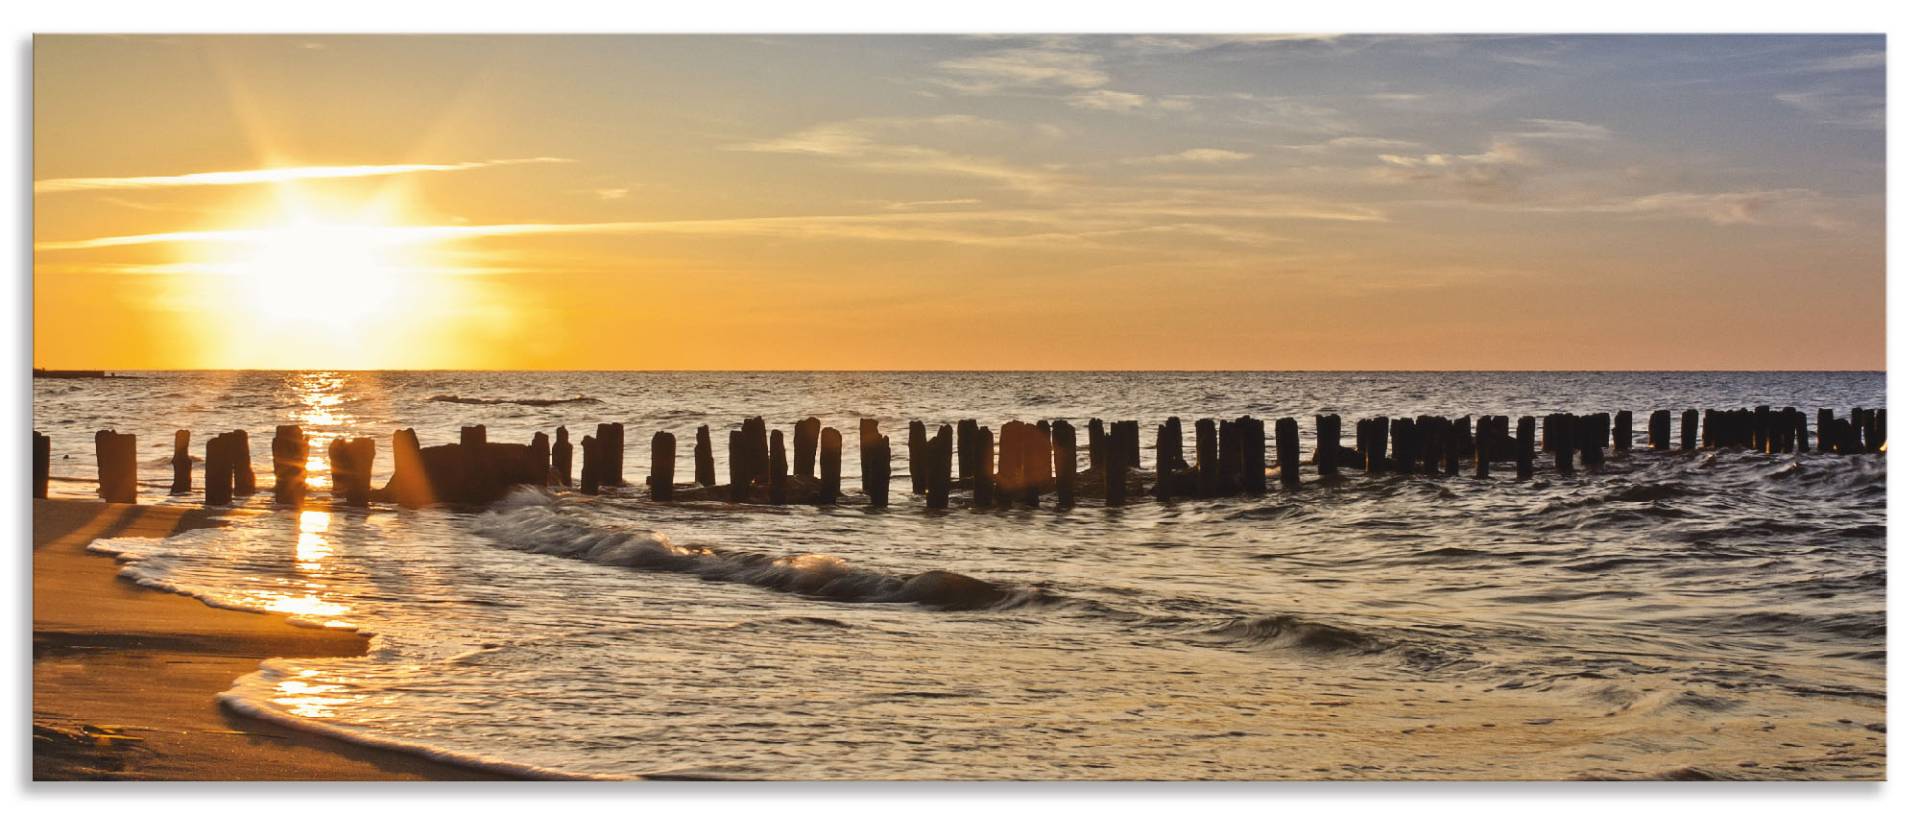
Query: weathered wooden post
pixel 939 470
pixel 590 465
pixel 1097 446
pixel 1116 473
pixel 473 435
pixel 1009 481
pixel 611 453
pixel 829 466
pixel 1232 450
pixel 754 461
pixel 1824 430
pixel 1165 439
pixel 409 485
pixel 703 457
pixel 1286 442
pixel 42 464
pixel 739 482
pixel 963 444
pixel 290 464
pixel 1689 429
pixel 1125 441
pixel 539 459
pixel 1403 432
pixel 1483 447
pixel 1565 435
pixel 1065 461
pixel 1523 448
pixel 777 469
pixel 806 442
pixel 241 456
pixel 1206 454
pixel 1593 454
pixel 1037 460
pixel 660 475
pixel 1450 446
pixel 876 462
pixel 1800 431
pixel 182 463
pixel 351 462
pixel 339 468
pixel 1660 430
pixel 1326 445
pixel 115 457
pixel 916 456
pixel 1623 431
pixel 983 485
pixel 562 456
pixel 219 474
pixel 1253 456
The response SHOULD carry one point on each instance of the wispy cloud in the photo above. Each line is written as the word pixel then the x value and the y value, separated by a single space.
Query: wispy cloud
pixel 1563 130
pixel 859 143
pixel 1115 101
pixel 1197 155
pixel 1850 109
pixel 272 175
pixel 1042 67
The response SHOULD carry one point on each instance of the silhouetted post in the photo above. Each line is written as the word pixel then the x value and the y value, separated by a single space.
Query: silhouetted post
pixel 703 457
pixel 590 466
pixel 983 485
pixel 1402 432
pixel 473 436
pixel 352 465
pixel 340 467
pixel 1009 481
pixel 1483 447
pixel 1823 427
pixel 42 464
pixel 1593 453
pixel 539 459
pixel 1130 443
pixel 660 475
pixel 1326 445
pixel 963 444
pixel 1253 456
pixel 829 466
pixel 241 462
pixel 1563 425
pixel 1660 430
pixel 806 441
pixel 1066 446
pixel 1286 442
pixel 739 482
pixel 1232 450
pixel 1370 435
pixel 1523 449
pixel 754 461
pixel 409 485
pixel 1097 445
pixel 1689 429
pixel 562 456
pixel 1206 454
pixel 219 474
pixel 916 456
pixel 290 464
pixel 1164 441
pixel 182 463
pixel 1116 473
pixel 1800 432
pixel 611 454
pixel 777 469
pixel 876 462
pixel 1623 431
pixel 1450 446
pixel 939 470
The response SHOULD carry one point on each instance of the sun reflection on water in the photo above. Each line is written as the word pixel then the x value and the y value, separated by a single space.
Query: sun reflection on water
pixel 312 698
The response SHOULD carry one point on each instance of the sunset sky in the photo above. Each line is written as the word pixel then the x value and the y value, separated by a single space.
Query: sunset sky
pixel 818 202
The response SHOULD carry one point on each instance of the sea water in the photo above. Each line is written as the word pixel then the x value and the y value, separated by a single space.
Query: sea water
pixel 1709 614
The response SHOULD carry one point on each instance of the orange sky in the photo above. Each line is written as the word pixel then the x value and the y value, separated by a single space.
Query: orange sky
pixel 808 202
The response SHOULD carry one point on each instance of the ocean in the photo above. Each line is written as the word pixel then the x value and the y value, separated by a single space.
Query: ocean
pixel 1717 614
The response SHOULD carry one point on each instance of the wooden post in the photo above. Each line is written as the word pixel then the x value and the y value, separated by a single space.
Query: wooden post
pixel 1594 453
pixel 1689 429
pixel 876 462
pixel 1206 454
pixel 562 456
pixel 739 482
pixel 703 457
pixel 351 462
pixel 473 435
pixel 753 460
pixel 219 474
pixel 1286 442
pixel 1326 445
pixel 1483 447
pixel 540 459
pixel 1622 431
pixel 829 466
pixel 42 464
pixel 983 485
pixel 1163 447
pixel 611 454
pixel 776 469
pixel 339 468
pixel 660 475
pixel 1253 456
pixel 361 450
pixel 590 466
pixel 1232 450
pixel 1065 462
pixel 290 464
pixel 1036 450
pixel 806 442
pixel 1009 481
pixel 939 469
pixel 182 463
pixel 1660 430
pixel 1129 434
pixel 963 442
pixel 1402 432
pixel 916 456
pixel 241 456
pixel 409 485
pixel 1523 448
pixel 1450 446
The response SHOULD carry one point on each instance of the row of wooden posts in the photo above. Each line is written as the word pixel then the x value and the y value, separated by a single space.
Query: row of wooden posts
pixel 1033 458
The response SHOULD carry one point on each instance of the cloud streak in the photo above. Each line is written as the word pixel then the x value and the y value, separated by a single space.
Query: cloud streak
pixel 271 175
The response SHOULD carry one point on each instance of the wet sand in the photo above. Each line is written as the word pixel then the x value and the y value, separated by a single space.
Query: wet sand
pixel 124 678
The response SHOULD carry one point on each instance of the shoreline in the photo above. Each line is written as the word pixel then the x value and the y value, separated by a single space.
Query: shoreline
pixel 126 678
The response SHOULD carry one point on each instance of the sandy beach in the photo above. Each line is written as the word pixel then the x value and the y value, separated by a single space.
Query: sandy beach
pixel 124 678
